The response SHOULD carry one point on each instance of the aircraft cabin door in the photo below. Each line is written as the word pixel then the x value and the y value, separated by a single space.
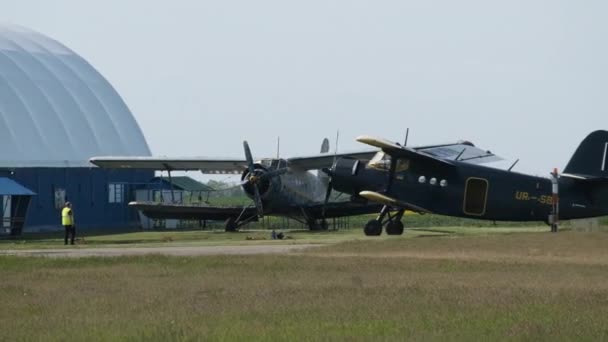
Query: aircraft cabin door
pixel 475 196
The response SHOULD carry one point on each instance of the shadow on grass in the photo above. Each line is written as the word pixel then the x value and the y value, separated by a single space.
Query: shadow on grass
pixel 431 235
pixel 441 232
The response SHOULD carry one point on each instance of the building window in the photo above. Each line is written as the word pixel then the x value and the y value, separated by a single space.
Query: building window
pixel 59 198
pixel 6 211
pixel 116 193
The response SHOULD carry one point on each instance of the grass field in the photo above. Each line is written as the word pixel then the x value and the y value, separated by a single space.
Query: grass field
pixel 466 284
pixel 155 238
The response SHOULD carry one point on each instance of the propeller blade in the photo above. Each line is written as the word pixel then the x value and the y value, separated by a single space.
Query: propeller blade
pixel 256 192
pixel 258 201
pixel 248 157
pixel 327 196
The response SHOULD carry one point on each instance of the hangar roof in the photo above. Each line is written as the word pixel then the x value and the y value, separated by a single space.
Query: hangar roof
pixel 12 188
pixel 56 110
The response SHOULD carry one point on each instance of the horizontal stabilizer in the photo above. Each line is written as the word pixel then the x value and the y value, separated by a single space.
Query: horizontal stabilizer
pixel 582 177
pixel 386 200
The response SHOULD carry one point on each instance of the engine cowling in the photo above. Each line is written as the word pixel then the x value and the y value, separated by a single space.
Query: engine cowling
pixel 264 184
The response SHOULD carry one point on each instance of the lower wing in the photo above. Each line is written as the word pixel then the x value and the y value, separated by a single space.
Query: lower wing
pixel 157 210
pixel 391 202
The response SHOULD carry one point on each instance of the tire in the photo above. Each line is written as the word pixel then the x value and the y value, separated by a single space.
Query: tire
pixel 394 228
pixel 323 225
pixel 373 228
pixel 230 225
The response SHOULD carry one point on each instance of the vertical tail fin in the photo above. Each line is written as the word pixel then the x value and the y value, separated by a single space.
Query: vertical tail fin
pixel 321 176
pixel 325 146
pixel 591 157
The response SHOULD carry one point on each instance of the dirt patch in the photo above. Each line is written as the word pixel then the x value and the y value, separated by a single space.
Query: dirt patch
pixel 175 251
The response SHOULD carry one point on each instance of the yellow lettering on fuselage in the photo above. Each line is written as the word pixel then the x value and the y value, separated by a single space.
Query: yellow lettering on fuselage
pixel 525 196
pixel 544 199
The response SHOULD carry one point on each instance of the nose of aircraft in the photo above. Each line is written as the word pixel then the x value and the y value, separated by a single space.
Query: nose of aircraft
pixel 349 176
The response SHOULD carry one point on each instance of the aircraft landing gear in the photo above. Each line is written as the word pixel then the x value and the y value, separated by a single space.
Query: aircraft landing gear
pixel 373 228
pixel 394 228
pixel 393 224
pixel 230 225
pixel 317 225
pixel 323 224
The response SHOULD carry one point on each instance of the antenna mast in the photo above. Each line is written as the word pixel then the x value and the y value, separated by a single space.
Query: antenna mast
pixel 337 139
pixel 278 146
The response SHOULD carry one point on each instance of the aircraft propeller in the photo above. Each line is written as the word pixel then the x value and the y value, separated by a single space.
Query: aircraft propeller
pixel 328 172
pixel 328 191
pixel 255 177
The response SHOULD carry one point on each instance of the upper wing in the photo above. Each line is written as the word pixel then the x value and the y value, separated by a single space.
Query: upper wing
pixel 395 149
pixel 444 154
pixel 205 165
pixel 219 166
pixel 319 161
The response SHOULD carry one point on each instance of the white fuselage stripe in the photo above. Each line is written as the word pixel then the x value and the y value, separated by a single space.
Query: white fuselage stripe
pixel 604 159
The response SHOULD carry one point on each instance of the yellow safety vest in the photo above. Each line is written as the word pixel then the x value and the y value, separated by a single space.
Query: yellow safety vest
pixel 66 217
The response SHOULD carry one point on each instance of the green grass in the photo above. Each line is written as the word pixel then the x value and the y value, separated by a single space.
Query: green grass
pixel 471 284
pixel 132 239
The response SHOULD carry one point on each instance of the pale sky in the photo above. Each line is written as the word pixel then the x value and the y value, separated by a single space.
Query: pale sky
pixel 524 79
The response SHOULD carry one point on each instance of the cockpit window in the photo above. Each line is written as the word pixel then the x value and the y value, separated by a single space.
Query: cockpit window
pixel 266 162
pixel 382 161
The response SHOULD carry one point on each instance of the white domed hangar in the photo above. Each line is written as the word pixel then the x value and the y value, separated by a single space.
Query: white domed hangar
pixel 56 112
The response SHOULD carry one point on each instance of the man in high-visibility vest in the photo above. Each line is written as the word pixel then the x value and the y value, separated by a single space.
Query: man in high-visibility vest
pixel 67 220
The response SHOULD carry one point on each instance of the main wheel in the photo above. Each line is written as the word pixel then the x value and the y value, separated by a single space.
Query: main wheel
pixel 230 225
pixel 373 228
pixel 323 224
pixel 394 228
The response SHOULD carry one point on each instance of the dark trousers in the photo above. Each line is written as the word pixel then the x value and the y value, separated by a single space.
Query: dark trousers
pixel 70 231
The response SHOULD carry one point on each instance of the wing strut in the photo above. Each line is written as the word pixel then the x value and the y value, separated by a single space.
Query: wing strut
pixel 168 168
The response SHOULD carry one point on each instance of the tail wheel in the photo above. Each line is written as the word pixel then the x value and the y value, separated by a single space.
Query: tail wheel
pixel 394 228
pixel 373 228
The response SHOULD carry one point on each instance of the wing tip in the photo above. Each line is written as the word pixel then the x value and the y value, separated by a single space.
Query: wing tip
pixel 376 142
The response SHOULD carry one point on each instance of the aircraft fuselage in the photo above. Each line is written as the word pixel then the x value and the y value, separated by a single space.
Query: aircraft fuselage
pixel 473 191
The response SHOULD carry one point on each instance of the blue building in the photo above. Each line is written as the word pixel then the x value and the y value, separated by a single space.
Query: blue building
pixel 56 112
